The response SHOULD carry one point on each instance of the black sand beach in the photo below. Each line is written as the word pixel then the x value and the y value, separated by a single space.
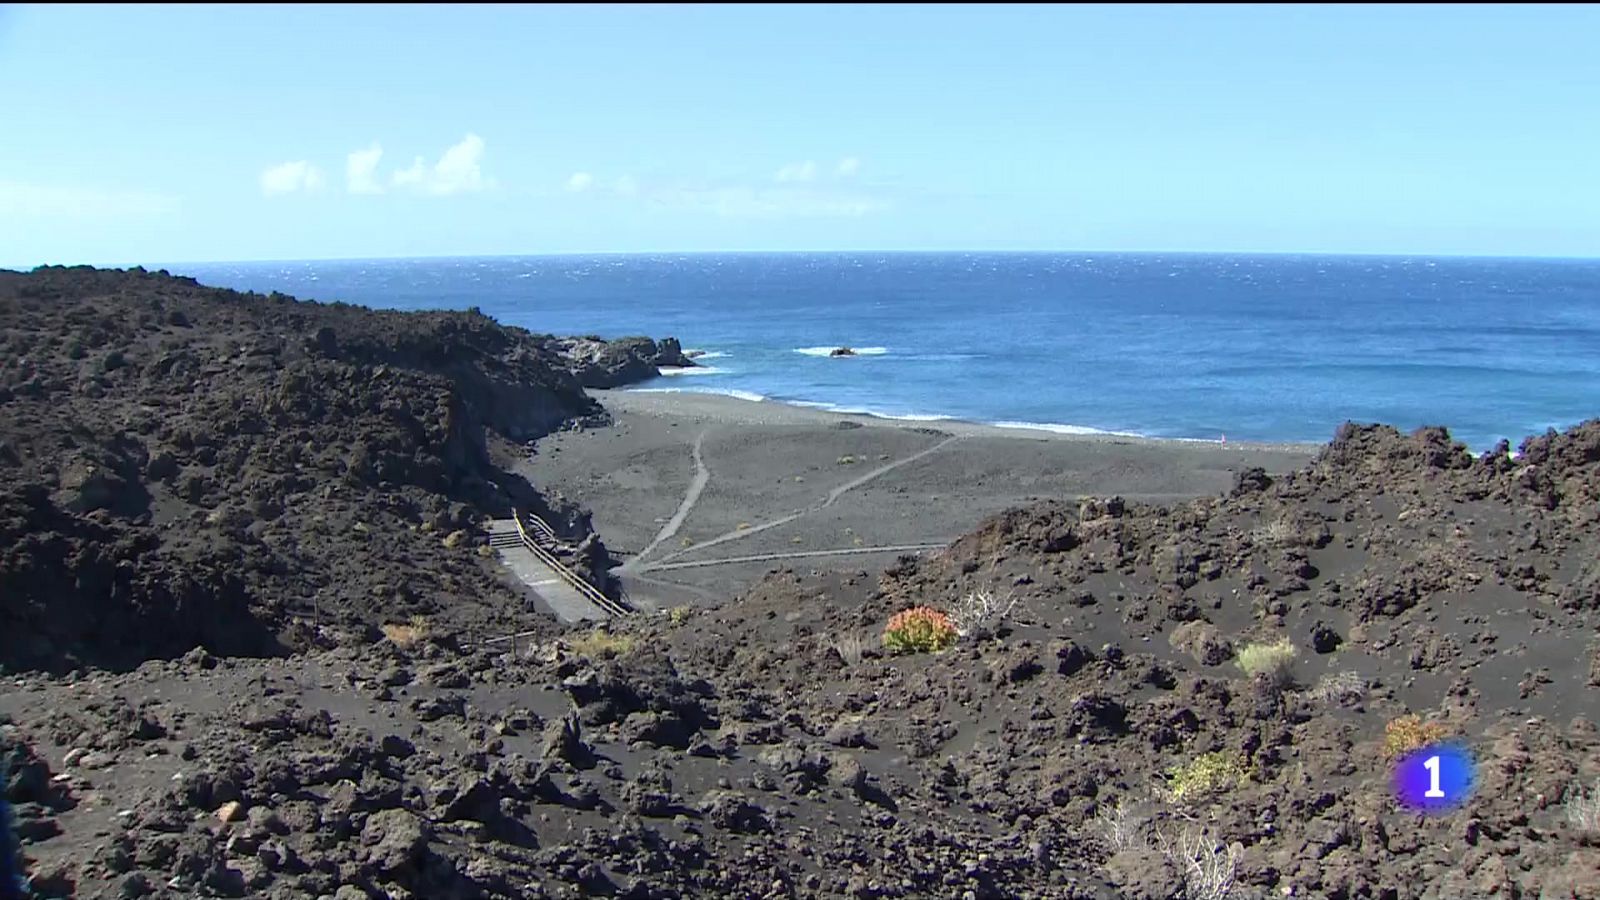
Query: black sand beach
pixel 820 490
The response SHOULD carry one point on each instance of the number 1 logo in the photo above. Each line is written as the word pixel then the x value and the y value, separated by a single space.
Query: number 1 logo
pixel 1436 778
pixel 1433 792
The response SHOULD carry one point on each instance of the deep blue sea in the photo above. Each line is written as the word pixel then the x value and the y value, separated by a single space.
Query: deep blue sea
pixel 1268 348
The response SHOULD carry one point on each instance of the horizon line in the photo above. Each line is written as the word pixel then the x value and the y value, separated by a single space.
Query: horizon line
pixel 169 265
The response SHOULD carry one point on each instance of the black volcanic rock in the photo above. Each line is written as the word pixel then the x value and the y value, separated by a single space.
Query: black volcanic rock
pixel 600 364
pixel 250 461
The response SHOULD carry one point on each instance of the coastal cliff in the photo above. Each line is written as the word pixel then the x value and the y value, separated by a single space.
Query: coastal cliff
pixel 184 466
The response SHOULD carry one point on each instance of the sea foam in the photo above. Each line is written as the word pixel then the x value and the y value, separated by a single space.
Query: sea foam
pixel 864 411
pixel 751 396
pixel 1057 428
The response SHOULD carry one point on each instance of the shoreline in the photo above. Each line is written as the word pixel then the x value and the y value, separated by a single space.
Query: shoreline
pixel 755 409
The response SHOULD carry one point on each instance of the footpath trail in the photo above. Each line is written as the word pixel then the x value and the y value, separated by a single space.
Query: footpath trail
pixel 702 476
pixel 741 533
pixel 793 554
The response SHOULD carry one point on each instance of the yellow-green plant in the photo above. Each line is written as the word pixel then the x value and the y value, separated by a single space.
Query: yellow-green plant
pixel 1272 660
pixel 678 615
pixel 1409 732
pixel 1206 774
pixel 921 629
pixel 601 644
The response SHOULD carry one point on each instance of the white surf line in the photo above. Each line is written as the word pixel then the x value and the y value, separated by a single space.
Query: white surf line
pixel 833 495
pixel 796 554
pixel 702 475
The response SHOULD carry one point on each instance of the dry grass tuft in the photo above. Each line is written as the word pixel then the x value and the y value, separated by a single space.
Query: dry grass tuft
pixel 1583 808
pixel 1122 829
pixel 851 647
pixel 1338 689
pixel 981 611
pixel 408 634
pixel 1210 870
pixel 602 644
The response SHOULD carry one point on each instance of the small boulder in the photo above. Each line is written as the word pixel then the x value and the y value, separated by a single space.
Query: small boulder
pixel 1203 641
pixel 394 839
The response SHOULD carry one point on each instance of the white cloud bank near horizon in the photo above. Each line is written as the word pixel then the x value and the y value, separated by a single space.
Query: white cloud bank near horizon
pixel 290 177
pixel 361 170
pixel 803 171
pixel 458 170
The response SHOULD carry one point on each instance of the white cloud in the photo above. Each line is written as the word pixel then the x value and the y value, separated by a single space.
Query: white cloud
pixel 805 171
pixel 411 176
pixel 459 170
pixel 361 170
pixel 848 166
pixel 579 182
pixel 286 178
pixel 626 186
pixel 22 199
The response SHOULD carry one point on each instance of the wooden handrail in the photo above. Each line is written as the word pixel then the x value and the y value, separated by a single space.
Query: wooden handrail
pixel 589 591
pixel 541 526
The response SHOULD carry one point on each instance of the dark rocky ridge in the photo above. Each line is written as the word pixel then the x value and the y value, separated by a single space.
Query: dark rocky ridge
pixel 184 466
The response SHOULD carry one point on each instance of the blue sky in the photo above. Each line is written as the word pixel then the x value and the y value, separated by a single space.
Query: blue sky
pixel 172 134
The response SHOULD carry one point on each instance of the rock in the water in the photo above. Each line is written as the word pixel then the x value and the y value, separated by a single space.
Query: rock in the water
pixel 603 364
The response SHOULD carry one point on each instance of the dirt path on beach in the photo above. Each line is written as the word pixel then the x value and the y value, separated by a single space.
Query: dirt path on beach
pixel 702 475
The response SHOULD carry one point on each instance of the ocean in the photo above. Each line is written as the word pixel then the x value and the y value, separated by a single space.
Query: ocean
pixel 1182 346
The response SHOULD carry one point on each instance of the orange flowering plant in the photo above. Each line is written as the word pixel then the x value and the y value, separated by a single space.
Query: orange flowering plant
pixel 921 629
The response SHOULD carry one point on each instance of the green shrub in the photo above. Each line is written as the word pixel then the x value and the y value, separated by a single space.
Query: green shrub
pixel 1271 660
pixel 1206 774
pixel 1407 733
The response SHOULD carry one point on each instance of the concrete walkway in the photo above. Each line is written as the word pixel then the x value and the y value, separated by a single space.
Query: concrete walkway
pixel 563 599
